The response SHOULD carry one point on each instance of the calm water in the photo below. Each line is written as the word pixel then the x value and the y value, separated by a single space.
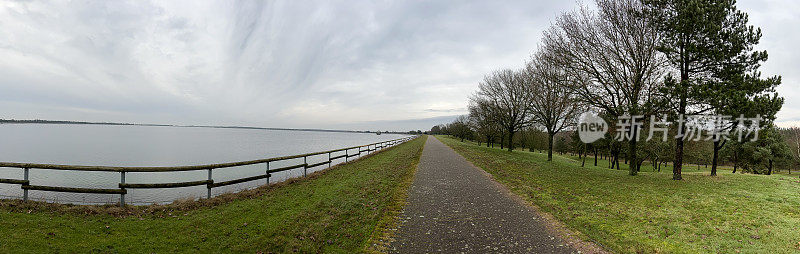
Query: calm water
pixel 107 145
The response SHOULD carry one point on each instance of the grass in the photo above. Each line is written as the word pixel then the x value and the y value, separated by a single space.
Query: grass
pixel 343 209
pixel 687 168
pixel 650 213
pixel 647 166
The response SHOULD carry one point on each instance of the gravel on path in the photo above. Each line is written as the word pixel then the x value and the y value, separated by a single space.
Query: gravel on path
pixel 454 207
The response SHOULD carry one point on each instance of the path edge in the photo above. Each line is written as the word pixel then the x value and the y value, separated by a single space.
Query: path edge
pixel 383 234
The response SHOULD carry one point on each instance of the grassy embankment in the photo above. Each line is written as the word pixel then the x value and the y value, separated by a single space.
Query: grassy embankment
pixel 344 209
pixel 650 212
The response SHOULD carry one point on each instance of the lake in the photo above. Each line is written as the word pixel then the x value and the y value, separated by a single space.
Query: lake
pixel 116 145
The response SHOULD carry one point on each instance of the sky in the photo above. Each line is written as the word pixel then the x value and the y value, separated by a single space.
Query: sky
pixel 377 65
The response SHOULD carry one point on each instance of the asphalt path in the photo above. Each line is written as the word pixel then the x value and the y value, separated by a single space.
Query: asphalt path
pixel 455 207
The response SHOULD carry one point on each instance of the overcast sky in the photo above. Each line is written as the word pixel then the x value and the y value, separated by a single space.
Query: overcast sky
pixel 320 64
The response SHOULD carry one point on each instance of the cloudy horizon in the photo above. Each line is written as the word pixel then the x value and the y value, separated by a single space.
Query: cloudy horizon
pixel 376 65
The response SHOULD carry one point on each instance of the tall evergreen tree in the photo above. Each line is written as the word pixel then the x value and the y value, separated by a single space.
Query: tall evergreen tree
pixel 711 48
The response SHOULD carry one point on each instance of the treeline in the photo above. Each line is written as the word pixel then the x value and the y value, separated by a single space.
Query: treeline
pixel 645 60
pixel 745 157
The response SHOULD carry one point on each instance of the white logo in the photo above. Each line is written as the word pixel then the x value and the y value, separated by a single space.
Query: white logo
pixel 591 127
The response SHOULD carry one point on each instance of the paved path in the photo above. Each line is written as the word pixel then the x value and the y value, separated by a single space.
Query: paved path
pixel 454 207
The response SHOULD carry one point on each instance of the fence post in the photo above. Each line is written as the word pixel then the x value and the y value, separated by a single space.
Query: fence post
pixel 346 154
pixel 25 191
pixel 122 196
pixel 305 168
pixel 208 196
pixel 268 175
pixel 329 159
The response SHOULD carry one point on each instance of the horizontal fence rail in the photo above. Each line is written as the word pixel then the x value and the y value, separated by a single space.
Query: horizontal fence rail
pixel 26 185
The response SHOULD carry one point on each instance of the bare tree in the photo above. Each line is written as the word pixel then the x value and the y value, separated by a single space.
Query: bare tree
pixel 507 99
pixel 460 127
pixel 616 49
pixel 482 120
pixel 553 106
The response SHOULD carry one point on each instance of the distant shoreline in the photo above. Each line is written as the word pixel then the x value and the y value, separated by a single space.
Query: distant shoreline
pixel 37 121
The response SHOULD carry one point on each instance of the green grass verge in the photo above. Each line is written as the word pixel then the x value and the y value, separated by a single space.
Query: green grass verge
pixel 650 213
pixel 337 210
pixel 647 166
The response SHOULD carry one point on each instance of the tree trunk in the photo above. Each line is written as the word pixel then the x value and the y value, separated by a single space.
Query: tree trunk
pixel 634 163
pixel 678 164
pixel 502 141
pixel 615 158
pixel 769 172
pixel 510 140
pixel 595 156
pixel 714 159
pixel 655 164
pixel 550 146
pixel 584 157
pixel 611 157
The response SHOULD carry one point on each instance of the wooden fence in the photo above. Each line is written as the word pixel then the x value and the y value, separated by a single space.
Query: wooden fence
pixel 209 183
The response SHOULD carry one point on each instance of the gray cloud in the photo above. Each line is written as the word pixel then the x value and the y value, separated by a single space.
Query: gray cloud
pixel 283 63
pixel 778 21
